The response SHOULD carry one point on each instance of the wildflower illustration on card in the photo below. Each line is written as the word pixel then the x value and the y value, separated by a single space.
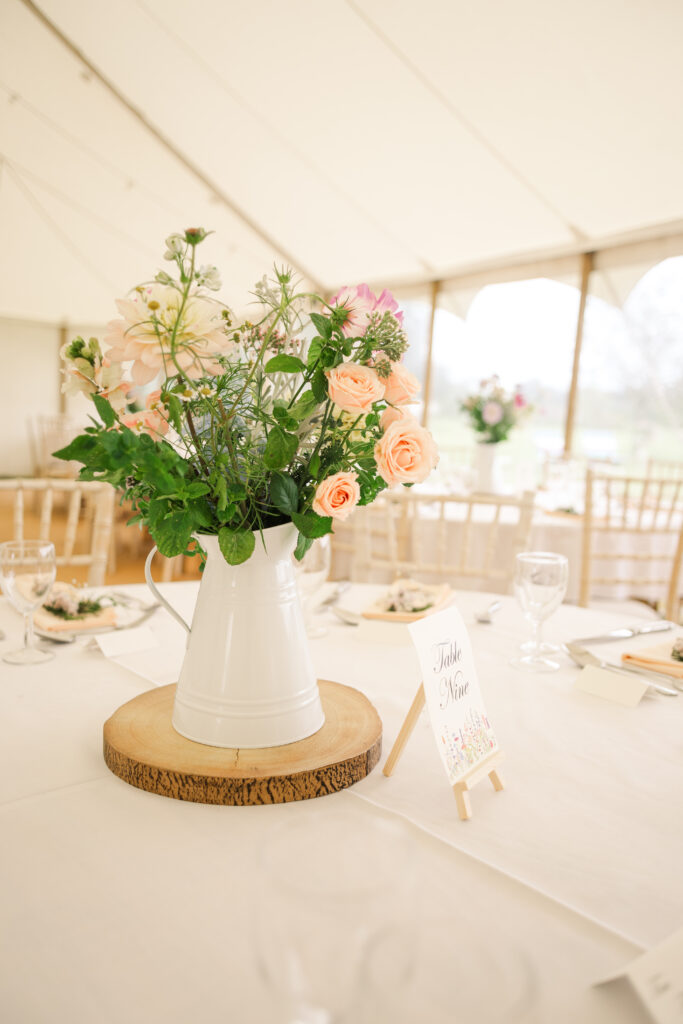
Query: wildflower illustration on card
pixel 462 729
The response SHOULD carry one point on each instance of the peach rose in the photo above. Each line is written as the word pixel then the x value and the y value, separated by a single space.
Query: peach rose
pixel 337 496
pixel 401 385
pixel 406 452
pixel 354 388
pixel 392 415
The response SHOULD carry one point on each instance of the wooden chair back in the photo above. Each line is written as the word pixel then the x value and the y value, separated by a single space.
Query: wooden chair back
pixel 50 433
pixel 619 513
pixel 444 537
pixel 89 505
pixel 664 469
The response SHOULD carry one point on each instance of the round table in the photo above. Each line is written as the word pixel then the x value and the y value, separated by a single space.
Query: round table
pixel 122 905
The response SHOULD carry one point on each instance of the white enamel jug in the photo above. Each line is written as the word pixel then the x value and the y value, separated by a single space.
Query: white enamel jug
pixel 247 679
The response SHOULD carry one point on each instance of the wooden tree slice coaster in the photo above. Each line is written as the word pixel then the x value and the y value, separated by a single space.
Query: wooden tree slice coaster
pixel 142 748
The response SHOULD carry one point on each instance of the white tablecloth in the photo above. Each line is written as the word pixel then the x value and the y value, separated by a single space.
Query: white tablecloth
pixel 120 905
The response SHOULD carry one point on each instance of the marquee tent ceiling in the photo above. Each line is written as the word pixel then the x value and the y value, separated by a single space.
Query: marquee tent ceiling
pixel 369 140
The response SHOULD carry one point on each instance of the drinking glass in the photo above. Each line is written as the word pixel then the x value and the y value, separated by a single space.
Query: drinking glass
pixel 27 571
pixel 329 884
pixel 540 585
pixel 311 574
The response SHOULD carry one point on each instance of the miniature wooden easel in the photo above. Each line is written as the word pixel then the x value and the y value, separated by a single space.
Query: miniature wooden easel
pixel 461 788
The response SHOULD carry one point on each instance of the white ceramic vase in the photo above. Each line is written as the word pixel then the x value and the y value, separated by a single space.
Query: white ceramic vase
pixel 485 467
pixel 247 679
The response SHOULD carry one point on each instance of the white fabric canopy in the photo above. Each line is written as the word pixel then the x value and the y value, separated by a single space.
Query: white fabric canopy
pixel 356 139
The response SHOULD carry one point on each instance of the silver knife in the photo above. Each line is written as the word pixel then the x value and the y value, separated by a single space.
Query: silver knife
pixel 625 633
pixel 582 658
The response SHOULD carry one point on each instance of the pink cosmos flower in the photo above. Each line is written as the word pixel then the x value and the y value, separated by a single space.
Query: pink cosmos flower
pixel 492 413
pixel 337 496
pixel 386 303
pixel 359 302
pixel 520 401
pixel 143 335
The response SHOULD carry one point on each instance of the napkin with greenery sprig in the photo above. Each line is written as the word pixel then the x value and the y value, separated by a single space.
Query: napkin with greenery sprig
pixel 666 657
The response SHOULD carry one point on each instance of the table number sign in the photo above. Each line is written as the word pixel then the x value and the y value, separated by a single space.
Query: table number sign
pixel 464 736
pixel 657 977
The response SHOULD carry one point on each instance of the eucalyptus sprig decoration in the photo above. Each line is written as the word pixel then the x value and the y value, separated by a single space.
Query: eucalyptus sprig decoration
pixel 290 416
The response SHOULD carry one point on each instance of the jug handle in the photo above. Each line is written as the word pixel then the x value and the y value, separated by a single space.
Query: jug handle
pixel 157 593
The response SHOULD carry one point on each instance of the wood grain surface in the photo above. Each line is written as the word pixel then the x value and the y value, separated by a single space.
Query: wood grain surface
pixel 142 748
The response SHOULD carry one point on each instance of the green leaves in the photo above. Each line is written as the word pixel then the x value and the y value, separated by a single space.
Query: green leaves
pixel 311 525
pixel 284 364
pixel 284 494
pixel 314 350
pixel 280 449
pixel 322 325
pixel 303 406
pixel 78 450
pixel 236 545
pixel 175 411
pixel 171 530
pixel 302 546
pixel 282 415
pixel 106 413
pixel 319 385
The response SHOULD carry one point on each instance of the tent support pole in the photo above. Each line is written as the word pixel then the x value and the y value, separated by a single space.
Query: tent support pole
pixel 63 338
pixel 586 268
pixel 436 286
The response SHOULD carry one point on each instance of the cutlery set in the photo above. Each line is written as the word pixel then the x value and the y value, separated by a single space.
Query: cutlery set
pixel 582 657
pixel 574 648
pixel 669 686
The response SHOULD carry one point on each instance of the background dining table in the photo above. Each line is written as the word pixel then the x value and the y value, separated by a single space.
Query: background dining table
pixel 552 529
pixel 123 905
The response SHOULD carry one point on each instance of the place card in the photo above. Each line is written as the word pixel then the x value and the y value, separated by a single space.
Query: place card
pixel 615 686
pixel 657 977
pixel 126 641
pixel 462 730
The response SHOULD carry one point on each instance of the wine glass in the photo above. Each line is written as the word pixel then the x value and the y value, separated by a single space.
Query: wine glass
pixel 311 574
pixel 540 585
pixel 27 571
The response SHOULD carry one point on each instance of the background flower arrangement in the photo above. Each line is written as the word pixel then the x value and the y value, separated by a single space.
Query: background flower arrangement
pixel 252 424
pixel 493 412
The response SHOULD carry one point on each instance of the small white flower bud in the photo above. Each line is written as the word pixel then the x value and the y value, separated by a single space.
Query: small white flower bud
pixel 175 245
pixel 209 276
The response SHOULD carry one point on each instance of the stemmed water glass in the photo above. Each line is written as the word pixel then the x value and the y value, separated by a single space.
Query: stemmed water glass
pixel 27 571
pixel 540 585
pixel 311 574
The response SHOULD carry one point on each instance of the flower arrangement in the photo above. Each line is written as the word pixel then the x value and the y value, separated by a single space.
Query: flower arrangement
pixel 291 416
pixel 67 603
pixel 493 412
